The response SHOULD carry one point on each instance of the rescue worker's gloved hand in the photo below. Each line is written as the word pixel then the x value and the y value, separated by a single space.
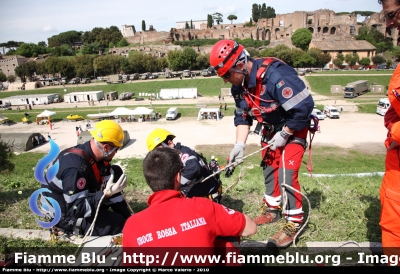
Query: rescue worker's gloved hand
pixel 280 139
pixel 112 188
pixel 237 153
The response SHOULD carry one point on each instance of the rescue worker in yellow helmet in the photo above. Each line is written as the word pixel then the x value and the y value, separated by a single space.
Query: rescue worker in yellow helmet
pixel 213 165
pixel 194 166
pixel 84 175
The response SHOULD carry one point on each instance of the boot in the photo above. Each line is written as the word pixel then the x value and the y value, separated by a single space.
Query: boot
pixel 285 236
pixel 268 215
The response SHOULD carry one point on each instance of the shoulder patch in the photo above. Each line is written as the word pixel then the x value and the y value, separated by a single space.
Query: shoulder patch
pixel 81 183
pixel 184 157
pixel 287 93
pixel 281 83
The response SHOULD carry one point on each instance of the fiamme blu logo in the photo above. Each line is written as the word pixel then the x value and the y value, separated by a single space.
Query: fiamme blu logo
pixel 42 206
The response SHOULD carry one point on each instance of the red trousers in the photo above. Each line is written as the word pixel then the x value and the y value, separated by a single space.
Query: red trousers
pixel 282 167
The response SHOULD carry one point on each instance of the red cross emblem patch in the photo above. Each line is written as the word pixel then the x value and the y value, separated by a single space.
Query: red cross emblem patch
pixel 81 183
pixel 287 93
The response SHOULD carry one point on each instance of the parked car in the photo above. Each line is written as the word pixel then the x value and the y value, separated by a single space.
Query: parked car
pixel 145 76
pixel 75 80
pixel 134 76
pixel 85 81
pixel 208 72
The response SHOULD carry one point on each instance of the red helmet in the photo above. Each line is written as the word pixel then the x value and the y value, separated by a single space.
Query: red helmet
pixel 224 54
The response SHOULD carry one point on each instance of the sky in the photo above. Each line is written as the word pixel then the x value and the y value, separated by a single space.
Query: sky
pixel 35 21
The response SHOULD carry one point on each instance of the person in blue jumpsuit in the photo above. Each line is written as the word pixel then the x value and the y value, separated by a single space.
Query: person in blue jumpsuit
pixel 84 175
pixel 269 94
pixel 195 168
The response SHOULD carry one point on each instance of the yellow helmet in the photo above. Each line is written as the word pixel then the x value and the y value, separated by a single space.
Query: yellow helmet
pixel 216 159
pixel 108 131
pixel 156 137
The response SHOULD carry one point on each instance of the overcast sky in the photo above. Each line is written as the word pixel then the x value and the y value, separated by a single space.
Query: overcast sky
pixel 35 21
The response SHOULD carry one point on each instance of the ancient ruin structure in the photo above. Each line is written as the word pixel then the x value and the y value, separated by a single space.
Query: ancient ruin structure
pixel 324 24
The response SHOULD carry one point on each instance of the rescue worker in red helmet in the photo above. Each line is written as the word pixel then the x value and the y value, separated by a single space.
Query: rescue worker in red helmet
pixel 390 188
pixel 84 175
pixel 269 92
pixel 195 167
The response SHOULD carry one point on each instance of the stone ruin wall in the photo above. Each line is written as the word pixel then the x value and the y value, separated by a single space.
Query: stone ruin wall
pixel 325 24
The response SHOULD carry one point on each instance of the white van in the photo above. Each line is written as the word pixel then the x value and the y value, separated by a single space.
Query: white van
pixel 172 113
pixel 382 106
pixel 331 112
pixel 318 113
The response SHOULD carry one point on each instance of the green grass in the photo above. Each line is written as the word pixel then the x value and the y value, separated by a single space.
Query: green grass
pixel 322 85
pixel 205 85
pixel 349 72
pixel 342 208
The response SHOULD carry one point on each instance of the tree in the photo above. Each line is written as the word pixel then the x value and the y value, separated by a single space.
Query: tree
pixel 378 59
pixel 95 47
pixel 217 17
pixel 203 61
pixel 263 12
pixel 187 25
pixel 338 62
pixel 389 63
pixel 84 66
pixel 26 70
pixel 66 67
pixel 143 25
pixel 321 59
pixel 11 78
pixel 42 44
pixel 10 45
pixel 30 50
pixel 270 12
pixel 122 43
pixel 191 24
pixel 396 52
pixel 63 50
pixel 351 59
pixel 301 38
pixel 69 38
pixel 3 77
pixel 232 17
pixel 255 12
pixel 365 61
pixel 52 65
pixel 304 61
pixel 6 166
pixel 210 21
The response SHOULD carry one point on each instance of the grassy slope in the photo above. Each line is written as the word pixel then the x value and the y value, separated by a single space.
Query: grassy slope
pixel 343 208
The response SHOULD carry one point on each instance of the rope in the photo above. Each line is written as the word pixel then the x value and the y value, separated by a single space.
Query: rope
pixel 234 163
pixel 90 230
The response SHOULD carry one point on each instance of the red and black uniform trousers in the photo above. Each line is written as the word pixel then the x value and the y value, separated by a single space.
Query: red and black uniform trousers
pixel 281 167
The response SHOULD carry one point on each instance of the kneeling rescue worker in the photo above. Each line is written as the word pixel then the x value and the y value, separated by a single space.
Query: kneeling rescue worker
pixel 269 92
pixel 195 167
pixel 84 175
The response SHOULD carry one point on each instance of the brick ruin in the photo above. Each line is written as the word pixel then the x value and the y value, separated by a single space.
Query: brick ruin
pixel 324 24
